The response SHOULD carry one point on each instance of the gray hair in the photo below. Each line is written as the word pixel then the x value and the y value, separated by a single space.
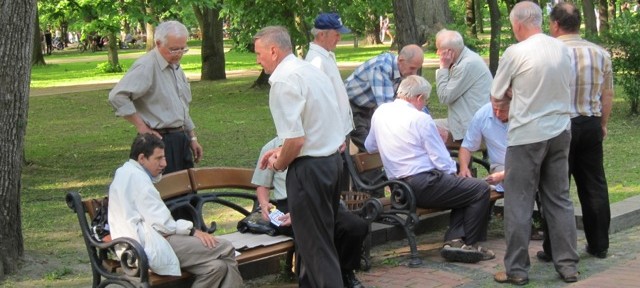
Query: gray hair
pixel 527 13
pixel 450 39
pixel 275 35
pixel 315 31
pixel 410 52
pixel 174 28
pixel 412 86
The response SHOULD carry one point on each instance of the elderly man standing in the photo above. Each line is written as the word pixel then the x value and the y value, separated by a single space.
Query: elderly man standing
pixel 154 96
pixel 304 109
pixel 375 82
pixel 538 144
pixel 411 150
pixel 326 35
pixel 463 84
pixel 591 99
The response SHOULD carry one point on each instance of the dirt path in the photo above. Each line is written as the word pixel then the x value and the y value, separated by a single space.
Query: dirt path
pixel 107 85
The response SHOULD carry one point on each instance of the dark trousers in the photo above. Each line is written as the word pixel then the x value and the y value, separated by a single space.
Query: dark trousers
pixel 313 195
pixel 177 151
pixel 585 164
pixel 362 125
pixel 350 233
pixel 468 199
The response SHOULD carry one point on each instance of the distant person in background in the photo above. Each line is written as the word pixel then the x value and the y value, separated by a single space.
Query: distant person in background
pixel 384 28
pixel 48 39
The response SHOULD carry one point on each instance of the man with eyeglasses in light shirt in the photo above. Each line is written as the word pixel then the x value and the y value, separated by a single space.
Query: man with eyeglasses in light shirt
pixel 154 96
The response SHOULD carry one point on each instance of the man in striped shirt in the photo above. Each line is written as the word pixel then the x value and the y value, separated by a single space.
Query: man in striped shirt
pixel 591 101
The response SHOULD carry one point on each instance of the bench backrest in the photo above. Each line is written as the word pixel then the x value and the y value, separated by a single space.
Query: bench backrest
pixel 175 184
pixel 367 161
pixel 221 177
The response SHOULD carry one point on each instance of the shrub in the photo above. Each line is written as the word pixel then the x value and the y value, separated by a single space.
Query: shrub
pixel 624 43
pixel 107 67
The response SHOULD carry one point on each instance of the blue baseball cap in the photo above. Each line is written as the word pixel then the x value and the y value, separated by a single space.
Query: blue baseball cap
pixel 330 21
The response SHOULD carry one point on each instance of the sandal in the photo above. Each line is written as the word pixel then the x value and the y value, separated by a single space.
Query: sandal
pixel 502 277
pixel 457 251
pixel 486 253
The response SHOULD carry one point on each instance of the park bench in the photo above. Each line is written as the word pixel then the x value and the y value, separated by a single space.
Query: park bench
pixel 185 190
pixel 399 209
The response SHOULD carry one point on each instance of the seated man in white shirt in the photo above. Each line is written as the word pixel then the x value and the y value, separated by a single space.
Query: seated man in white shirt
pixel 137 211
pixel 412 150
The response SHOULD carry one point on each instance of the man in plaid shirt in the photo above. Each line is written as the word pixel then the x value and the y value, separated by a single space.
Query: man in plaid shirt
pixel 375 82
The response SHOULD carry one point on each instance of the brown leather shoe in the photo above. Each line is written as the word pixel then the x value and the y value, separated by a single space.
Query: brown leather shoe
pixel 502 277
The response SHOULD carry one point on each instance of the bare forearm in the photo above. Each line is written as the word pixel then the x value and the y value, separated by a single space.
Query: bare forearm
pixel 290 151
pixel 607 103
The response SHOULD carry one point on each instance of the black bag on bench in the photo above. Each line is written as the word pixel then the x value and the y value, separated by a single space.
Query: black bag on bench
pixel 255 224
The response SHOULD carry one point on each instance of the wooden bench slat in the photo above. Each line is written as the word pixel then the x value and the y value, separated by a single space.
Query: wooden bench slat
pixel 367 161
pixel 221 177
pixel 175 184
pixel 264 251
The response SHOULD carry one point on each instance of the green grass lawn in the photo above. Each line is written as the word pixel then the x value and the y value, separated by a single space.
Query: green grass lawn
pixel 75 142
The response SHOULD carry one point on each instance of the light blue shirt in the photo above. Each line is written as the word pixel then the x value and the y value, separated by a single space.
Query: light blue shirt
pixel 408 141
pixel 485 126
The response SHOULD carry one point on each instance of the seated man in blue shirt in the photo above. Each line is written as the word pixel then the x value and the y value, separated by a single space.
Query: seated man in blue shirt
pixel 412 150
pixel 489 125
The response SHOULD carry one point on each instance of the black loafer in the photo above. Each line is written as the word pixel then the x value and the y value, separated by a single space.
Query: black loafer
pixel 599 254
pixel 570 278
pixel 544 257
pixel 350 280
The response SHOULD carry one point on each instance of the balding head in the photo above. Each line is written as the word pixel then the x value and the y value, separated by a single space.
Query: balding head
pixel 410 59
pixel 567 17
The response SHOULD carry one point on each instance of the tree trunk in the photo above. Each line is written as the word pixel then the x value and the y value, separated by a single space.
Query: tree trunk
pixel 470 18
pixel 406 30
pixel 113 50
pixel 612 10
pixel 37 57
pixel 17 20
pixel 213 63
pixel 430 17
pixel 150 30
pixel 479 5
pixel 510 4
pixel 590 24
pixel 496 26
pixel 603 11
pixel 262 81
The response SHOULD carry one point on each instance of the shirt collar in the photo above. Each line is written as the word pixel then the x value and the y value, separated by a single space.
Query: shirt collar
pixel 163 62
pixel 153 179
pixel 569 37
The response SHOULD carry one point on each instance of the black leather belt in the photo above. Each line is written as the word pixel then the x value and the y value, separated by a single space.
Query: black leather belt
pixel 163 131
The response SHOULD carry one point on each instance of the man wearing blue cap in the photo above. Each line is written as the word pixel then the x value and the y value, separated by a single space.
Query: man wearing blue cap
pixel 326 35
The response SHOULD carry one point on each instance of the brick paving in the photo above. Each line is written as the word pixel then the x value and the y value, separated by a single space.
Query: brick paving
pixel 620 269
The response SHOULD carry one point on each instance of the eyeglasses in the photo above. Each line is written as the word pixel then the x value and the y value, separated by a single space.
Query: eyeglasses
pixel 178 51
